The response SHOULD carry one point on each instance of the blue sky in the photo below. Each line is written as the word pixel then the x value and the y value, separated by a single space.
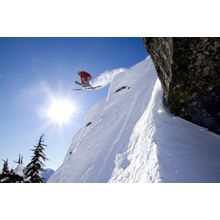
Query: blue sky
pixel 33 69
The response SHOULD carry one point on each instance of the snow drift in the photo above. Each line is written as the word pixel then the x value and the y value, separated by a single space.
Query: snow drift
pixel 129 137
pixel 105 78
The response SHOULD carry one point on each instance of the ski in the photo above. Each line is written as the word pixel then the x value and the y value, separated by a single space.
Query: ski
pixel 78 83
pixel 95 87
pixel 88 87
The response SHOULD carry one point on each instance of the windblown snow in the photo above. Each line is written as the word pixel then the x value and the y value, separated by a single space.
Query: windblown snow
pixel 129 137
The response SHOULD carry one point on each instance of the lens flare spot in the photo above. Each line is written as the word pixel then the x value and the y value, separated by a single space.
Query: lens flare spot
pixel 60 111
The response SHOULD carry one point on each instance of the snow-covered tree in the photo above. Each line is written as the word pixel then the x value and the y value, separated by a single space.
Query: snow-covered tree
pixel 36 166
pixel 18 174
pixel 13 177
pixel 5 174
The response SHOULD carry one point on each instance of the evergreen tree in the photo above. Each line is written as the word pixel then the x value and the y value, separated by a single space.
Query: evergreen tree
pixel 20 160
pixel 13 176
pixel 36 166
pixel 5 174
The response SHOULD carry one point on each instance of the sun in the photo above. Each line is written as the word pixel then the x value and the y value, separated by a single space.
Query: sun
pixel 60 111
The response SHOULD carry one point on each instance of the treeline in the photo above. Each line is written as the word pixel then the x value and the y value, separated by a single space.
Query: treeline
pixel 32 173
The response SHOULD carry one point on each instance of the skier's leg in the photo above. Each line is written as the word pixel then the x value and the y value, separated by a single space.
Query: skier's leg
pixel 85 83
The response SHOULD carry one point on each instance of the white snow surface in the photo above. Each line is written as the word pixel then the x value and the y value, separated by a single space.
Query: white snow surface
pixel 132 138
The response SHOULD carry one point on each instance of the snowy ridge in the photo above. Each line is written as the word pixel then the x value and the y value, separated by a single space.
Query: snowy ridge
pixel 132 139
pixel 91 155
pixel 165 148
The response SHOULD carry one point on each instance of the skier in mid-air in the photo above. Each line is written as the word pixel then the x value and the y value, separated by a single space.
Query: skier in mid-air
pixel 85 78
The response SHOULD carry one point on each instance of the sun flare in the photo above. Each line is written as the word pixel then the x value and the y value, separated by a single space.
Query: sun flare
pixel 60 111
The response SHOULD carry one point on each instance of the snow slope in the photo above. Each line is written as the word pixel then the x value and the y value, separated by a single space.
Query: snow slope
pixel 131 138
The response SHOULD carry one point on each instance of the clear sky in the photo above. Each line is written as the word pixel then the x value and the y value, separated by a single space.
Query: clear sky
pixel 35 70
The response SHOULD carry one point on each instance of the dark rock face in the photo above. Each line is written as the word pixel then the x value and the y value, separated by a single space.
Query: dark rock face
pixel 119 89
pixel 189 71
pixel 89 123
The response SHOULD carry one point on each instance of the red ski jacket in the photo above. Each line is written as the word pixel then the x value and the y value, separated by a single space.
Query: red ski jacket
pixel 85 75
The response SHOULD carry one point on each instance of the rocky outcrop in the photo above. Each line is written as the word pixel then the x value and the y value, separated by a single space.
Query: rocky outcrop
pixel 189 71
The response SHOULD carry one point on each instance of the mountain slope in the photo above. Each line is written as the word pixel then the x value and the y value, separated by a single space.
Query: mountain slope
pixel 165 148
pixel 47 173
pixel 91 155
pixel 130 138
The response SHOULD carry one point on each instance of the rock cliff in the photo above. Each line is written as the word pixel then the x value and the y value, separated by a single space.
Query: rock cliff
pixel 189 70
